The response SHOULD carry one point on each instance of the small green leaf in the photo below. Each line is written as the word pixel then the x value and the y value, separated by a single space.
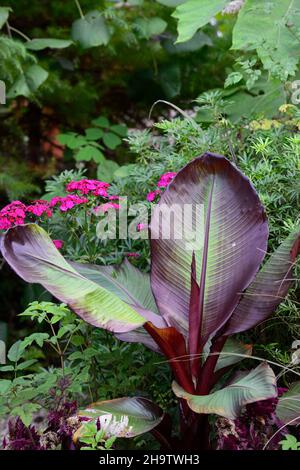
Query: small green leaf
pixel 4 12
pixel 88 153
pixel 25 412
pixel 4 386
pixel 101 121
pixel 42 43
pixel 290 443
pixel 93 133
pixel 71 140
pixel 28 82
pixel 24 365
pixel 106 170
pixel 192 16
pixel 150 27
pixel 119 129
pixel 7 368
pixel 124 171
pixel 16 351
pixel 233 78
pixel 111 140
pixel 91 30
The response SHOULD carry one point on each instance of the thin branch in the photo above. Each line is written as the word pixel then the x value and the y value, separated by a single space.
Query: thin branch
pixel 79 9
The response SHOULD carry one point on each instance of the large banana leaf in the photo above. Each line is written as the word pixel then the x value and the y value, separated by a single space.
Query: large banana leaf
pixel 232 233
pixel 124 417
pixel 133 287
pixel 126 281
pixel 268 288
pixel 259 384
pixel 31 253
pixel 288 407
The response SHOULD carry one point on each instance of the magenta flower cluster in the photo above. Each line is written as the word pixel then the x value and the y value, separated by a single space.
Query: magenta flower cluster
pixel 16 212
pixel 163 182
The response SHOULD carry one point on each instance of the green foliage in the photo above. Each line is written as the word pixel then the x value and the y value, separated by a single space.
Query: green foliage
pixel 87 147
pixel 94 439
pixel 290 443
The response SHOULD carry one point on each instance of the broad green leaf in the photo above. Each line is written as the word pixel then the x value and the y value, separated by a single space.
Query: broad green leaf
pixel 125 281
pixel 288 407
pixel 94 133
pixel 192 16
pixel 124 417
pixel 210 208
pixel 31 253
pixel 89 152
pixel 91 30
pixel 16 351
pixel 232 353
pixel 4 13
pixel 268 288
pixel 39 44
pixel 148 27
pixel 171 3
pixel 106 170
pixel 169 78
pixel 4 386
pixel 26 411
pixel 111 140
pixel 198 41
pixel 24 365
pixel 71 140
pixel 124 171
pixel 263 101
pixel 272 28
pixel 28 82
pixel 119 129
pixel 259 384
pixel 101 121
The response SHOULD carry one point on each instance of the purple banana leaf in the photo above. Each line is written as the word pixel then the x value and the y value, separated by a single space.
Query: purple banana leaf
pixel 217 219
pixel 268 288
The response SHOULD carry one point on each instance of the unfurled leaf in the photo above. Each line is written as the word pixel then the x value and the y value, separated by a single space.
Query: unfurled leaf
pixel 288 407
pixel 91 30
pixel 198 41
pixel 212 210
pixel 259 384
pixel 42 43
pixel 124 417
pixel 29 250
pixel 192 16
pixel 268 288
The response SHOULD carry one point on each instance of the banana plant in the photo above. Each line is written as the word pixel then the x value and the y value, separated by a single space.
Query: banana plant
pixel 201 291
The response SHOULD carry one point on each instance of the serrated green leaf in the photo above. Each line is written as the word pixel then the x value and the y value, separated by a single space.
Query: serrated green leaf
pixel 192 16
